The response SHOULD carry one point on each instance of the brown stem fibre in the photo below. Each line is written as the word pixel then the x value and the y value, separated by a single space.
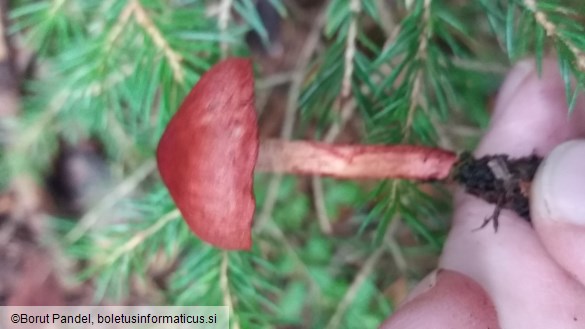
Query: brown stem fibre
pixel 355 161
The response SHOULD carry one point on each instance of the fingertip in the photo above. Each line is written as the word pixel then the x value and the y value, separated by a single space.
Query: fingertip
pixel 451 300
pixel 531 113
pixel 558 206
pixel 558 191
pixel 531 116
pixel 513 82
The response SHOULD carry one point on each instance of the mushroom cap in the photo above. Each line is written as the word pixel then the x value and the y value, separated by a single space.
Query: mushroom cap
pixel 207 154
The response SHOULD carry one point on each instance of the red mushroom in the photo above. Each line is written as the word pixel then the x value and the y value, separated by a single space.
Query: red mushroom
pixel 209 150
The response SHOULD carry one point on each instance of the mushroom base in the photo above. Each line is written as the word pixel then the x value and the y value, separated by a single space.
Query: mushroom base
pixel 499 180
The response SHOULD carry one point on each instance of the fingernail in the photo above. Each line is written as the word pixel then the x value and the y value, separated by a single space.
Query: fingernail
pixel 558 192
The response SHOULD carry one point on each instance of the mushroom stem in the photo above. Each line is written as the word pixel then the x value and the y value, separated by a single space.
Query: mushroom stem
pixel 355 161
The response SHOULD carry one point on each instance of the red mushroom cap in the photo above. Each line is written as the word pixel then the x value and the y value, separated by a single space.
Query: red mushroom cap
pixel 207 154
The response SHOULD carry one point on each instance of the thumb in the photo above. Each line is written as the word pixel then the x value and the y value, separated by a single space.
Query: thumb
pixel 445 299
pixel 558 206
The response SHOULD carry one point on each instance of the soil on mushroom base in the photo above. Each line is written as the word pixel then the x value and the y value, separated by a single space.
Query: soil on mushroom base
pixel 512 192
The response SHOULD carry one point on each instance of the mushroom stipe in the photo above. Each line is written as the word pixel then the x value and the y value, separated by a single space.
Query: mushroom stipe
pixel 210 149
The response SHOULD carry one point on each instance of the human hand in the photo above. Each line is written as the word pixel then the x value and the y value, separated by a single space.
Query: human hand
pixel 523 276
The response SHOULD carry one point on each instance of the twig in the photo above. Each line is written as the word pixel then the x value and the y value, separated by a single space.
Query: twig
pixel 274 231
pixel 387 19
pixel 97 88
pixel 477 66
pixel 135 9
pixel 368 267
pixel 225 288
pixel 123 20
pixel 391 243
pixel 414 102
pixel 353 289
pixel 299 76
pixel 321 209
pixel 107 202
pixel 174 58
pixel 265 87
pixel 421 54
pixel 225 8
pixel 345 114
pixel 347 109
pixel 350 48
pixel 290 112
pixel 141 236
pixel 394 247
pixel 274 80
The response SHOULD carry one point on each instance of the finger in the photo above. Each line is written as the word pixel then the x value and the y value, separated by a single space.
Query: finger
pixel 527 287
pixel 558 206
pixel 446 299
pixel 531 113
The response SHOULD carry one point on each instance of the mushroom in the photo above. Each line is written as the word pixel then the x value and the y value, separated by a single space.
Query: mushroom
pixel 210 149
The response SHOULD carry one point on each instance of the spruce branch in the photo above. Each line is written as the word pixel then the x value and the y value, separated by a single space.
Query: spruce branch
pixel 120 25
pixel 553 31
pixel 350 47
pixel 420 57
pixel 389 212
pixel 139 238
pixel 405 87
pixel 347 108
pixel 143 19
